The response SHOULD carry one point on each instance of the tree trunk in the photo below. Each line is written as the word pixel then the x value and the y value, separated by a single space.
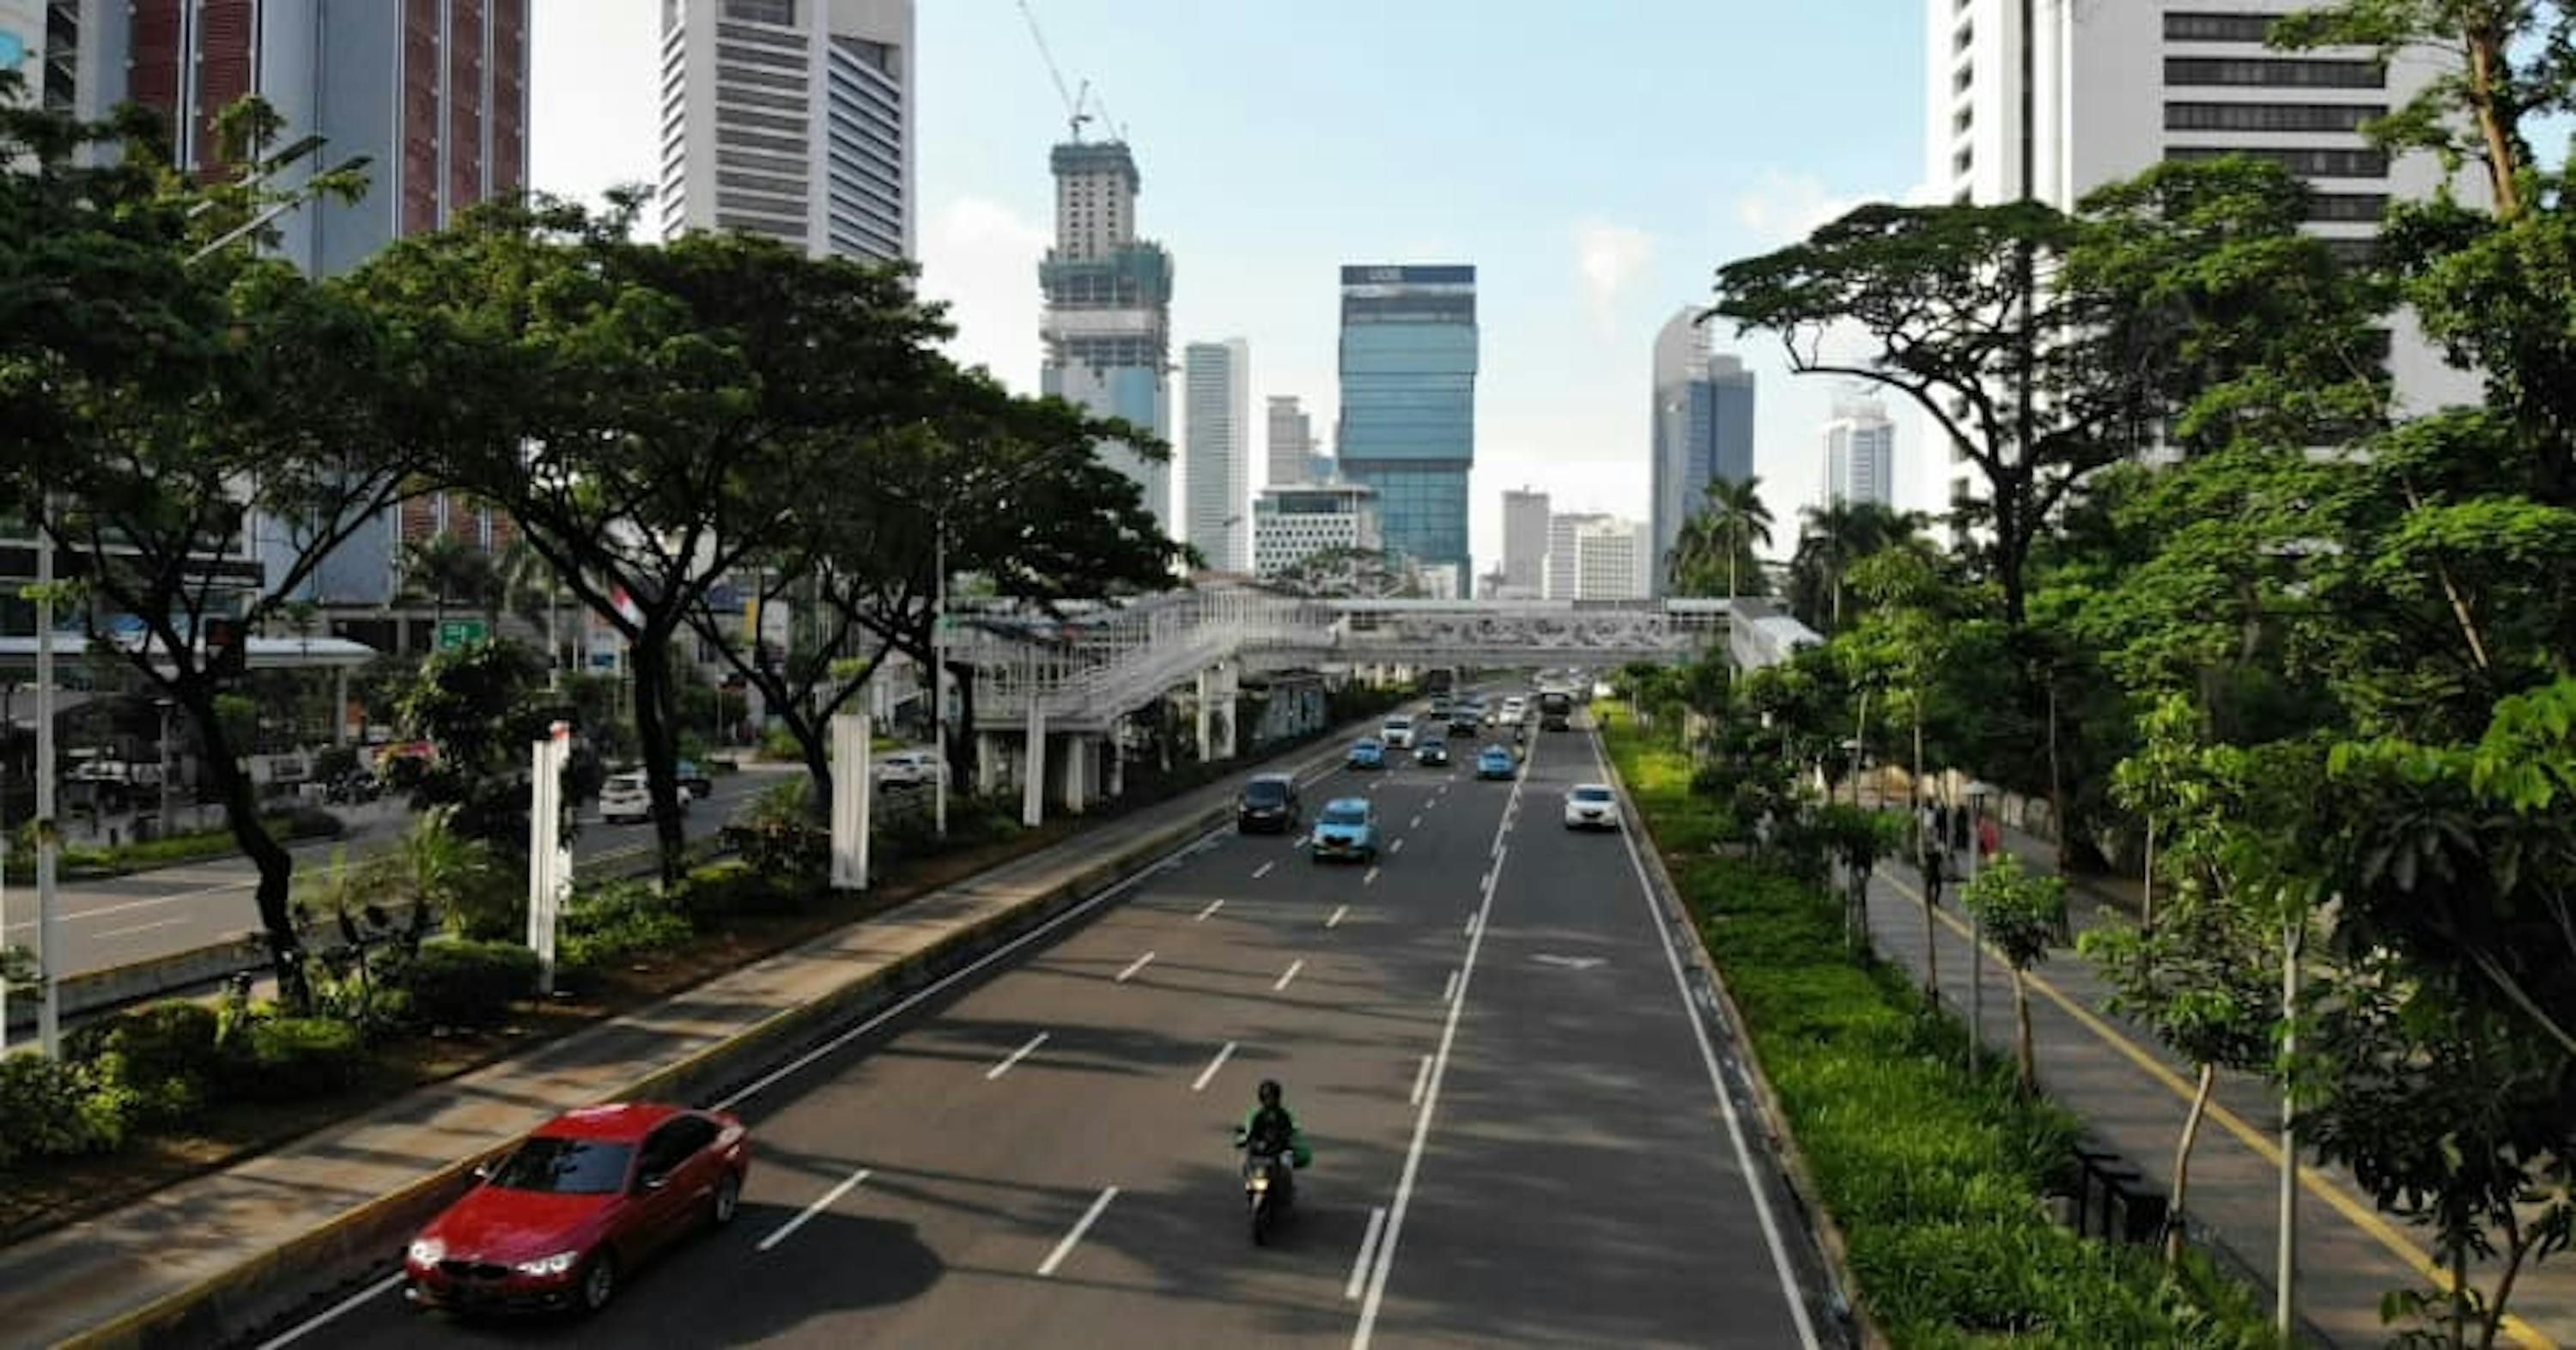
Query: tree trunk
pixel 654 728
pixel 815 744
pixel 2147 906
pixel 2487 57
pixel 2056 782
pixel 961 745
pixel 276 866
pixel 2182 1164
pixel 2021 1036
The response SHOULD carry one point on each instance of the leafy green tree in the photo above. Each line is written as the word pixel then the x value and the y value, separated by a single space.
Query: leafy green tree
pixel 482 705
pixel 2024 915
pixel 451 571
pixel 1722 533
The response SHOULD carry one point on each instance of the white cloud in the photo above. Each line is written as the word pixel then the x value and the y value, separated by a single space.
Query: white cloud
pixel 982 260
pixel 1607 258
pixel 1783 207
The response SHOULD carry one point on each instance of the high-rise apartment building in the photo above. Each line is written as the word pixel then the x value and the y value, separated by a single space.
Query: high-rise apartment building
pixel 1561 556
pixel 433 92
pixel 2115 87
pixel 1108 321
pixel 1525 541
pixel 1860 453
pixel 1408 417
pixel 791 119
pixel 1216 456
pixel 1702 427
pixel 1292 524
pixel 68 54
pixel 1612 560
pixel 1291 444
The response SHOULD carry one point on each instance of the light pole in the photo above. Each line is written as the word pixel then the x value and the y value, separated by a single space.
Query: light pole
pixel 48 846
pixel 165 705
pixel 1976 928
pixel 938 676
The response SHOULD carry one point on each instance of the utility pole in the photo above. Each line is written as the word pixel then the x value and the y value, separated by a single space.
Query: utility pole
pixel 48 832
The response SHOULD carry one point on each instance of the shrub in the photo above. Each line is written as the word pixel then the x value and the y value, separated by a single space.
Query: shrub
pixel 737 887
pixel 466 983
pixel 154 1060
pixel 617 919
pixel 778 835
pixel 49 1109
pixel 288 1058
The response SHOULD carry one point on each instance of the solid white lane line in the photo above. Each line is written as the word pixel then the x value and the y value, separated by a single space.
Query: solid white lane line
pixel 1134 966
pixel 1449 991
pixel 935 988
pixel 1200 1084
pixel 1062 1249
pixel 334 1313
pixel 1385 1261
pixel 1708 1056
pixel 1371 878
pixel 1016 1056
pixel 1421 1080
pixel 1212 907
pixel 829 1199
pixel 1368 1245
pixel 1263 870
pixel 141 927
pixel 1291 973
pixel 1396 847
pixel 1338 912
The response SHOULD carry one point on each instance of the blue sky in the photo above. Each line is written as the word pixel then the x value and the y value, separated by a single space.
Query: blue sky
pixel 1595 162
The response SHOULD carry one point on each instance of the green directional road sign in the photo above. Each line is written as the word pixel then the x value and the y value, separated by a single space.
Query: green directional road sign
pixel 455 633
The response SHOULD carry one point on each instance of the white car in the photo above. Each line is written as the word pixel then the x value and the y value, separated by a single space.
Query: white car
pixel 1398 733
pixel 1591 806
pixel 908 768
pixel 625 799
pixel 1514 709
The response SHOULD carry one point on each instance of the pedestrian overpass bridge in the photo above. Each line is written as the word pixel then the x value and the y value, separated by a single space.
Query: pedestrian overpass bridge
pixel 1072 678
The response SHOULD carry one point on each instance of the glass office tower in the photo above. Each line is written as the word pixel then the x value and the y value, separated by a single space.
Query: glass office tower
pixel 1408 419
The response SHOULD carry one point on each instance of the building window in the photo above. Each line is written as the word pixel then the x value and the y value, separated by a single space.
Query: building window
pixel 2306 163
pixel 1967 34
pixel 780 12
pixel 2271 116
pixel 2347 206
pixel 2218 27
pixel 2353 252
pixel 2272 72
pixel 1964 76
pixel 1963 161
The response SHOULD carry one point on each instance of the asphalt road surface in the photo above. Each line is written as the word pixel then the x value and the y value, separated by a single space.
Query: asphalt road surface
pixel 121 920
pixel 1518 1135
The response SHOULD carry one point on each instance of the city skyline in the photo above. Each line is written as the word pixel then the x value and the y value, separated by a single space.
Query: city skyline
pixel 1581 251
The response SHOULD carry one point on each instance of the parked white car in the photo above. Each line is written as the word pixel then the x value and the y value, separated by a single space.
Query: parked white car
pixel 1398 732
pixel 1591 806
pixel 909 768
pixel 626 800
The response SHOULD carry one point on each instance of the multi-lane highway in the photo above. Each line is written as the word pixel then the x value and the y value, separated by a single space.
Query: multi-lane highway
pixel 121 920
pixel 1520 1137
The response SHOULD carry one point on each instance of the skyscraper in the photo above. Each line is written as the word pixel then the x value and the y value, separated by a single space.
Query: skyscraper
pixel 1860 453
pixel 1108 320
pixel 1562 559
pixel 1216 458
pixel 1525 541
pixel 2114 88
pixel 791 119
pixel 1408 418
pixel 1702 428
pixel 434 95
pixel 1611 561
pixel 1292 442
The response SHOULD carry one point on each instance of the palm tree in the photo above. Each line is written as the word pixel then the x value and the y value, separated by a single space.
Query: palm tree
pixel 448 568
pixel 1831 539
pixel 529 586
pixel 1733 519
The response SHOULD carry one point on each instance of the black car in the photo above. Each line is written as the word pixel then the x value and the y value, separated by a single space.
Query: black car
pixel 1268 803
pixel 1432 752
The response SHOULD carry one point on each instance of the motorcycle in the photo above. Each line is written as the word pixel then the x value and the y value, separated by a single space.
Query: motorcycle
pixel 1269 1183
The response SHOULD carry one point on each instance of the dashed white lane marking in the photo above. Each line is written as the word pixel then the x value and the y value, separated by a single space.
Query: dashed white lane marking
pixel 141 928
pixel 1421 1078
pixel 1449 992
pixel 1212 907
pixel 1291 973
pixel 1370 879
pixel 1200 1083
pixel 1081 1226
pixel 1417 822
pixel 1016 1056
pixel 1338 912
pixel 1134 966
pixel 1263 870
pixel 1396 847
pixel 829 1199
pixel 1368 1247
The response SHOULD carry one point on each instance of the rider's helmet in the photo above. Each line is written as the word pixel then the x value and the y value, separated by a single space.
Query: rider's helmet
pixel 1269 1092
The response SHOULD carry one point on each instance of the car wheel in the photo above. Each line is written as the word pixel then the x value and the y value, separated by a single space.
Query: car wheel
pixel 598 1281
pixel 728 1200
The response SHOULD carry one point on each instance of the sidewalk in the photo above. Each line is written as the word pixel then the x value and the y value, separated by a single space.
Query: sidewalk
pixel 2133 1095
pixel 346 1185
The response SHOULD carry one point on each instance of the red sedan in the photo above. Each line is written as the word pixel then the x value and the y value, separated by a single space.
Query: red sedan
pixel 590 1195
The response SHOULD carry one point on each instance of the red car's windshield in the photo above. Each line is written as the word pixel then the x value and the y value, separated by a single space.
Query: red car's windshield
pixel 566 1166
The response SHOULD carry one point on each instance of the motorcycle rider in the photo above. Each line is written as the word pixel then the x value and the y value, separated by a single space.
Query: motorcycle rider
pixel 1269 1127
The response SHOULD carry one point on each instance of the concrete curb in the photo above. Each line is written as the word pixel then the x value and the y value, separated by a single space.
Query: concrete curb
pixel 1795 1173
pixel 363 1244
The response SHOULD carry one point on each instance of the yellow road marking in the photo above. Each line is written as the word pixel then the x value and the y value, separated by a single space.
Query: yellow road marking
pixel 2317 1184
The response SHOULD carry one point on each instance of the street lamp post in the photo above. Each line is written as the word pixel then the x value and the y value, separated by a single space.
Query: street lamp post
pixel 938 676
pixel 165 705
pixel 1976 928
pixel 48 949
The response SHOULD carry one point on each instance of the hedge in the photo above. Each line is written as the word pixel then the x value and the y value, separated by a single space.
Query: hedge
pixel 1938 1181
pixel 461 983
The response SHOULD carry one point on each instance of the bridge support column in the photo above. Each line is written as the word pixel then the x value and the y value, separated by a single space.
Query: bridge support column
pixel 1081 769
pixel 988 763
pixel 1206 705
pixel 1117 760
pixel 1033 775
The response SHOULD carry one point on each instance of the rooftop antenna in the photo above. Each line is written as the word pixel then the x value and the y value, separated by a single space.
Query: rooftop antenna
pixel 1074 116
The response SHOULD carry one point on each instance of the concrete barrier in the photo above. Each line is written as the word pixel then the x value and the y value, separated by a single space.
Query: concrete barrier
pixel 365 1244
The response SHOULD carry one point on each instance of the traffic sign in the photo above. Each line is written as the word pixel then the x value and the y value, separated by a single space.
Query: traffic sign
pixel 455 633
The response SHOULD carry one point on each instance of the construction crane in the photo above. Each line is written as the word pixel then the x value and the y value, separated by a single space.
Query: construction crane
pixel 1074 116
